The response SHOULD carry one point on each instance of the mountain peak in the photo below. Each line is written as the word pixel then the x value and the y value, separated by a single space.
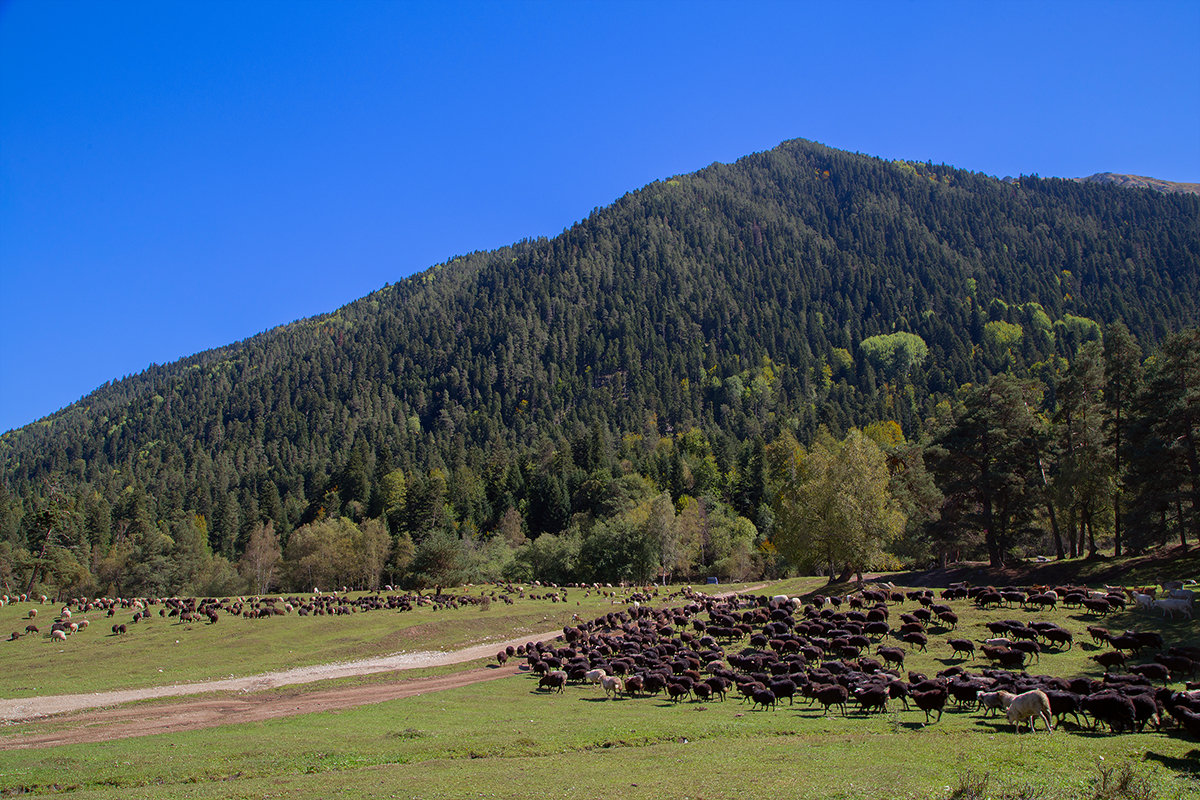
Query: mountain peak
pixel 1142 182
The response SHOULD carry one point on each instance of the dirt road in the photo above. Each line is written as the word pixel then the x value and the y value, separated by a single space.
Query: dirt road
pixel 99 725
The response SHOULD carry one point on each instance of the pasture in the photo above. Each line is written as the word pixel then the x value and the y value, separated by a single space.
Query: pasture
pixel 504 738
pixel 163 650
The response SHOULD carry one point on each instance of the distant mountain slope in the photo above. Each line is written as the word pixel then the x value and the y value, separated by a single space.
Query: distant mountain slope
pixel 1142 182
pixel 735 299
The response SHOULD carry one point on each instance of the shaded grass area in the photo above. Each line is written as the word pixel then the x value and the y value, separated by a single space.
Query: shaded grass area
pixel 505 740
pixel 1167 563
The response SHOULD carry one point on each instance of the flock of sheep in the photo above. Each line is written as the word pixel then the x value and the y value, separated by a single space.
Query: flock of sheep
pixel 832 651
pixel 209 610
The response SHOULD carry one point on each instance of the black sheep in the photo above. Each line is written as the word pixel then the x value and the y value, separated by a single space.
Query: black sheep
pixel 783 688
pixel 764 698
pixel 932 700
pixel 1155 672
pixel 832 695
pixel 1112 708
pixel 962 646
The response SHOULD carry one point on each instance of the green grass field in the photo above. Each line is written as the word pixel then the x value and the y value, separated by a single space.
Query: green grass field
pixel 504 739
pixel 163 650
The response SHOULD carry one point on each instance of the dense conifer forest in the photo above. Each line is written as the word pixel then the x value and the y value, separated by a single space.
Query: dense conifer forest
pixel 671 387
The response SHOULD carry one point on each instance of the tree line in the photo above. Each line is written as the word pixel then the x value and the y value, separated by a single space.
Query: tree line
pixel 1072 457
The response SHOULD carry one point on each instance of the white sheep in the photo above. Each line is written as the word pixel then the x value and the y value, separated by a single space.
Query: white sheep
pixel 1174 605
pixel 595 675
pixel 59 634
pixel 1182 594
pixel 994 701
pixel 1030 706
pixel 613 685
pixel 1144 601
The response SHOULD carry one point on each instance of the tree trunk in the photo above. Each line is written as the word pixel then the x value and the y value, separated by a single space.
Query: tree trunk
pixel 1117 484
pixel 1058 544
pixel 37 565
pixel 1179 516
pixel 995 556
pixel 1193 462
pixel 1091 532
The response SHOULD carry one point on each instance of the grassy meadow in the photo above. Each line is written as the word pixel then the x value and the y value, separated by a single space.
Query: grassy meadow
pixel 504 739
pixel 163 650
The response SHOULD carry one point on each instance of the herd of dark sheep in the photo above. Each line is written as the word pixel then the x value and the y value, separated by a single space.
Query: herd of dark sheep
pixel 831 652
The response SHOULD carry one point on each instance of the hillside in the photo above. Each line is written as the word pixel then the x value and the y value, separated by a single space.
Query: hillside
pixel 733 301
pixel 1142 182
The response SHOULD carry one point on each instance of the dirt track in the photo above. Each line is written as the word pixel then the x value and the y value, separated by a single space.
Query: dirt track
pixel 208 712
pixel 82 718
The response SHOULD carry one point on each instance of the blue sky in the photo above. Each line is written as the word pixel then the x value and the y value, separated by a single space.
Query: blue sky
pixel 178 176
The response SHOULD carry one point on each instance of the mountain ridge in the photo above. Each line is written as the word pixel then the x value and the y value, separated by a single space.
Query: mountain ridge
pixel 1142 182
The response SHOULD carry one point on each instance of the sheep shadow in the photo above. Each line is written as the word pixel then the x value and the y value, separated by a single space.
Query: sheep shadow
pixel 915 725
pixel 1190 762
pixel 602 699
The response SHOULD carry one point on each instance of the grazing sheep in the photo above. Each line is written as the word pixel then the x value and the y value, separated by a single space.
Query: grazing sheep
pixel 1154 672
pixel 994 701
pixel 1063 703
pixel 962 646
pixel 1112 708
pixel 1031 705
pixel 59 634
pixel 872 696
pixel 554 680
pixel 1058 637
pixel 1110 659
pixel 764 698
pixel 833 694
pixel 1171 606
pixel 1098 605
pixel 932 700
pixel 892 655
pixel 1145 709
pixel 612 685
pixel 1180 666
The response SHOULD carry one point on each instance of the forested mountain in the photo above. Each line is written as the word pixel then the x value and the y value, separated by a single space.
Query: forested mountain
pixel 654 347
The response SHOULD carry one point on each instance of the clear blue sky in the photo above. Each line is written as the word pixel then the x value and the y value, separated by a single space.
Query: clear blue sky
pixel 175 176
